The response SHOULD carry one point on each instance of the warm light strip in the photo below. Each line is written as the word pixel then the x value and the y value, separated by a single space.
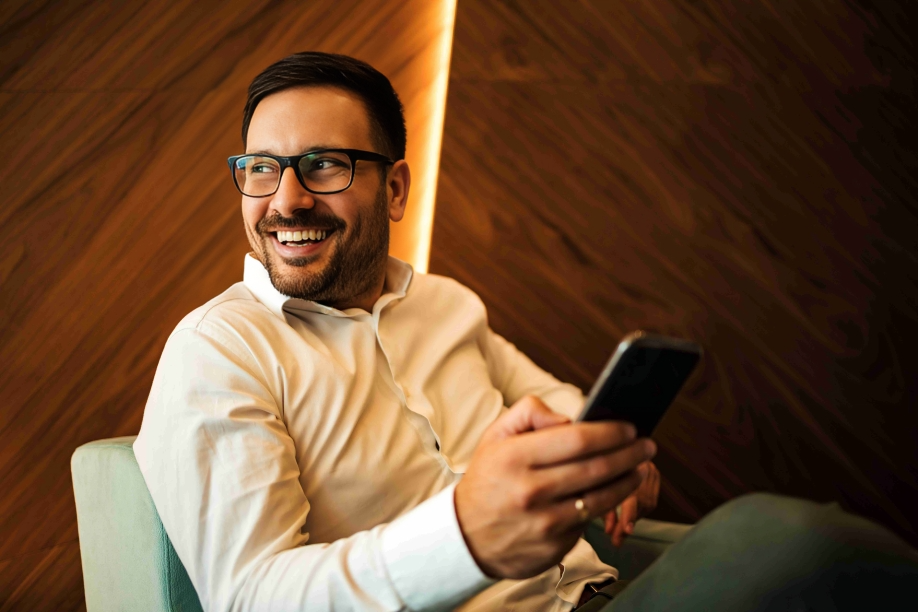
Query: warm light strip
pixel 427 201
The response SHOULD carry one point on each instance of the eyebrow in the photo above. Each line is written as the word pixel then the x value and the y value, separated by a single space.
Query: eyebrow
pixel 318 147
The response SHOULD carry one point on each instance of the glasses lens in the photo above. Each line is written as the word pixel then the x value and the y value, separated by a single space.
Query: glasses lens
pixel 326 172
pixel 257 175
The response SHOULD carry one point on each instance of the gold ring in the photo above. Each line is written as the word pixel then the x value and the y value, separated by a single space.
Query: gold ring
pixel 583 515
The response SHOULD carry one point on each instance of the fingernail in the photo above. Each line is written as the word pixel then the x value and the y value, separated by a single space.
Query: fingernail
pixel 631 432
pixel 629 527
pixel 651 447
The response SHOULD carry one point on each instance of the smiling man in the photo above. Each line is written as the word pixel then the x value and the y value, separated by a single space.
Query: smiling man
pixel 332 251
pixel 333 432
pixel 306 431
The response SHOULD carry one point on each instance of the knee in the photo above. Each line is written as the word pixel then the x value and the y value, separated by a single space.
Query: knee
pixel 758 508
pixel 802 528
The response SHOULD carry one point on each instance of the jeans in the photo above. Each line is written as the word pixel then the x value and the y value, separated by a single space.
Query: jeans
pixel 771 553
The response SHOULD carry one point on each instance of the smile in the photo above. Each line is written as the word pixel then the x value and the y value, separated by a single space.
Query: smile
pixel 301 238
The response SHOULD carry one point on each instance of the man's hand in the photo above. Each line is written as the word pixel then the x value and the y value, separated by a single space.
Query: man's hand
pixel 637 505
pixel 516 502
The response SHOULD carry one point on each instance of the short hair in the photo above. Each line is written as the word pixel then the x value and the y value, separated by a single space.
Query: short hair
pixel 313 68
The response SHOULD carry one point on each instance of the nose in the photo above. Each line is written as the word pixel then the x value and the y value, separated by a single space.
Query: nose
pixel 290 195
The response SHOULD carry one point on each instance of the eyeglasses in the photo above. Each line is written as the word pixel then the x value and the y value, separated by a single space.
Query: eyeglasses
pixel 322 171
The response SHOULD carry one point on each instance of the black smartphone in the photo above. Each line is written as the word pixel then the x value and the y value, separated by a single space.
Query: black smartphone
pixel 641 380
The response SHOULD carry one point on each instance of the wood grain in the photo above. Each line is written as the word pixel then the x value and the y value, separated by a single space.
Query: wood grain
pixel 740 173
pixel 120 217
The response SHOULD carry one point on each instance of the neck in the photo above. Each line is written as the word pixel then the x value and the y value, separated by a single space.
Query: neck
pixel 364 301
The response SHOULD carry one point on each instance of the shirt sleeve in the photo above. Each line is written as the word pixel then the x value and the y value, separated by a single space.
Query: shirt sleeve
pixel 516 376
pixel 221 467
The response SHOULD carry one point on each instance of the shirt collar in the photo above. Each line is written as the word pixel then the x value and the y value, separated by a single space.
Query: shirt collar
pixel 256 279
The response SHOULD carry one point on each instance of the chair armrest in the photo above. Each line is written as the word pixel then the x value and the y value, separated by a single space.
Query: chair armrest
pixel 128 561
pixel 649 540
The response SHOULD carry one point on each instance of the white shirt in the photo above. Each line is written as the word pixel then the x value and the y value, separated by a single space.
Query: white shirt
pixel 305 458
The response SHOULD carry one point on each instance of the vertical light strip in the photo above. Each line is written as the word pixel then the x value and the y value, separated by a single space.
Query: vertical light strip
pixel 426 206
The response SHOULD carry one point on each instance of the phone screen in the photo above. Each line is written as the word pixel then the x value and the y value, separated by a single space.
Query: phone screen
pixel 641 385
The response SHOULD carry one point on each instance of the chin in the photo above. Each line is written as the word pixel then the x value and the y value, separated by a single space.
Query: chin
pixel 296 271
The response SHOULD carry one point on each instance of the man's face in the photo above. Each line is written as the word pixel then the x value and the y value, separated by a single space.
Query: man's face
pixel 351 259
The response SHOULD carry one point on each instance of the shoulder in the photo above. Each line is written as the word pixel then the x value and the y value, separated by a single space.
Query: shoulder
pixel 435 288
pixel 235 319
pixel 233 305
pixel 438 303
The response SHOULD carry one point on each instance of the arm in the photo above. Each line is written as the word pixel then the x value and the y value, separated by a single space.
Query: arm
pixel 222 471
pixel 516 376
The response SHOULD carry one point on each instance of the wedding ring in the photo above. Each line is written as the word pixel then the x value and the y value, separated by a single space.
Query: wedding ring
pixel 583 515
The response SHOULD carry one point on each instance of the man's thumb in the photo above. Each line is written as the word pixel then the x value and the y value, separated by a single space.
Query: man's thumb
pixel 528 414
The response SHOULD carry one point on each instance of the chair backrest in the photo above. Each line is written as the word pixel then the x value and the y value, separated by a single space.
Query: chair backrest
pixel 128 561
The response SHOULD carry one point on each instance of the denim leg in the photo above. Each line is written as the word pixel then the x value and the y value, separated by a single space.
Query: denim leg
pixel 771 553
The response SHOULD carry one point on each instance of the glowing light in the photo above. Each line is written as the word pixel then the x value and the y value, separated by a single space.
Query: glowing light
pixel 425 113
pixel 427 202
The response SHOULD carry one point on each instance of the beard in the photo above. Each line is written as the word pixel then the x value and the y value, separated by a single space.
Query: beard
pixel 357 261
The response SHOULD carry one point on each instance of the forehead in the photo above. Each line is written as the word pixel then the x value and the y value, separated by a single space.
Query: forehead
pixel 296 120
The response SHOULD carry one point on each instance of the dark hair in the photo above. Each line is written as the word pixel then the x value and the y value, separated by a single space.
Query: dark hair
pixel 312 68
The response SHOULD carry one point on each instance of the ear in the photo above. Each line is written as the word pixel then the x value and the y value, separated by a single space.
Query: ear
pixel 397 183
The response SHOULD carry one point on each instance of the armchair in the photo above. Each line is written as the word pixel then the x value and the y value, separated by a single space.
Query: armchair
pixel 130 564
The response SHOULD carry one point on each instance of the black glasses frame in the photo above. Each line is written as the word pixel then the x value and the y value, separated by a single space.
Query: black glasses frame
pixel 293 161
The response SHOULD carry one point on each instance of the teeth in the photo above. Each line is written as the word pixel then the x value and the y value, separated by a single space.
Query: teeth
pixel 285 236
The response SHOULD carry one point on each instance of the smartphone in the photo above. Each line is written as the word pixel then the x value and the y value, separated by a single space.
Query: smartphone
pixel 641 380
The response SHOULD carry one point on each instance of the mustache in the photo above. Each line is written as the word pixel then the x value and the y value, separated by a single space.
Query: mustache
pixel 301 217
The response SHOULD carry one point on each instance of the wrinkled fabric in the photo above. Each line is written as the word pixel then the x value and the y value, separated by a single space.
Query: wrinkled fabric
pixel 304 458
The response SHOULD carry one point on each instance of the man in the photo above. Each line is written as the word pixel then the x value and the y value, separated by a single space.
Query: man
pixel 306 431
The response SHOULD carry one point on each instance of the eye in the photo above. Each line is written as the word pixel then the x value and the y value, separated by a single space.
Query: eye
pixel 326 163
pixel 262 168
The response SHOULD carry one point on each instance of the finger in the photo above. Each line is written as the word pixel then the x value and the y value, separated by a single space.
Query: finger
pixel 598 501
pixel 628 525
pixel 651 491
pixel 629 511
pixel 610 522
pixel 576 441
pixel 528 414
pixel 654 482
pixel 565 480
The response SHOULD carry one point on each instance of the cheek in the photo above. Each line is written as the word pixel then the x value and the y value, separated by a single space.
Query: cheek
pixel 253 211
pixel 361 204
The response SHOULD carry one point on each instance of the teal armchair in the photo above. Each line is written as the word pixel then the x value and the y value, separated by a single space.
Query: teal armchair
pixel 129 563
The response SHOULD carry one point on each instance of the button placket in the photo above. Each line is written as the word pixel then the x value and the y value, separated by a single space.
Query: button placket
pixel 430 441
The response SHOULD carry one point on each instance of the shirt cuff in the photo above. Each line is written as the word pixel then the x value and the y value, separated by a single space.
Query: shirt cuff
pixel 427 558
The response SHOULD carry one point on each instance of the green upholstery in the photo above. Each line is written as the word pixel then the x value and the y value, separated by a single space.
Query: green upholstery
pixel 640 549
pixel 129 563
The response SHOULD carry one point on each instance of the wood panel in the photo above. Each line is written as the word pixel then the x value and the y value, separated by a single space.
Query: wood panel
pixel 119 216
pixel 740 173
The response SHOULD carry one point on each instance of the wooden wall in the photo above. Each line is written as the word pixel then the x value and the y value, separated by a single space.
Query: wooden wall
pixel 119 216
pixel 740 173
